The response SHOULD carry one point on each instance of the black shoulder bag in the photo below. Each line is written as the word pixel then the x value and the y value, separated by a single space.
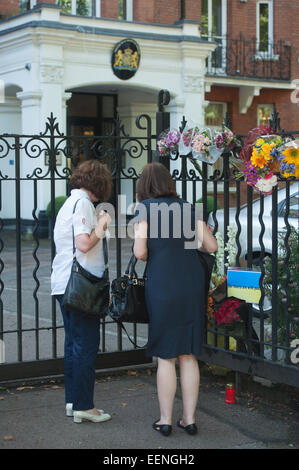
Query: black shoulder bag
pixel 127 302
pixel 86 293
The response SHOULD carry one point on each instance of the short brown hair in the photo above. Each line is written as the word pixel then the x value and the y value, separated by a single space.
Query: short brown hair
pixel 93 176
pixel 155 181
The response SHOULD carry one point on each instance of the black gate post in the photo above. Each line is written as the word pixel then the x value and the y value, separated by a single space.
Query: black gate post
pixel 162 122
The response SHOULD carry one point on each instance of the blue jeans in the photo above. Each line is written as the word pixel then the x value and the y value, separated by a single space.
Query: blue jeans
pixel 82 339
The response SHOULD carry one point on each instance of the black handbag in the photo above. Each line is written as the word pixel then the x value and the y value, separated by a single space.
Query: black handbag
pixel 127 301
pixel 128 296
pixel 86 293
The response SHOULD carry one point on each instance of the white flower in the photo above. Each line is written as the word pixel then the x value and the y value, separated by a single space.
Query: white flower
pixel 265 185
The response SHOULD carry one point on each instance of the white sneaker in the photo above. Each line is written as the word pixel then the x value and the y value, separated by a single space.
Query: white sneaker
pixel 79 416
pixel 69 409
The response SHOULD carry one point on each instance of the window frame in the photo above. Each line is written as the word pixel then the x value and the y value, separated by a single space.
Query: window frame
pixel 222 37
pixel 269 52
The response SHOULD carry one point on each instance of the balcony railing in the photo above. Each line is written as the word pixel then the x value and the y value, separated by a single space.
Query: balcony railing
pixel 248 58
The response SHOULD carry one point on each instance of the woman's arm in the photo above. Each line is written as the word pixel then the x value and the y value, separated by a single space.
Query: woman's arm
pixel 140 243
pixel 85 242
pixel 207 241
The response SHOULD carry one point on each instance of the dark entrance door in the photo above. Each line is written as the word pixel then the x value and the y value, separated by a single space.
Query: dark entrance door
pixel 92 115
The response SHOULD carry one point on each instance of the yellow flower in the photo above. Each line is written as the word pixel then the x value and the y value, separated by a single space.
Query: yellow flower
pixel 291 155
pixel 266 151
pixel 260 142
pixel 258 159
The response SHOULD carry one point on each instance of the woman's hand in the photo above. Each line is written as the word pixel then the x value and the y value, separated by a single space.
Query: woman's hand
pixel 104 220
pixel 85 242
pixel 207 241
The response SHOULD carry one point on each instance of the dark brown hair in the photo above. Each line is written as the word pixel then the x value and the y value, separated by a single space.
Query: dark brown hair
pixel 155 181
pixel 93 176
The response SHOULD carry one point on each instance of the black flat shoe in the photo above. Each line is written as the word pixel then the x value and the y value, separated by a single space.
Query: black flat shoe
pixel 164 429
pixel 190 429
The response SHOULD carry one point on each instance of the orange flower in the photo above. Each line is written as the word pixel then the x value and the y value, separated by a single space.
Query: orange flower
pixel 258 159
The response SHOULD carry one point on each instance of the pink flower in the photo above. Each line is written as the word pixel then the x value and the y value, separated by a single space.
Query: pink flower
pixel 268 175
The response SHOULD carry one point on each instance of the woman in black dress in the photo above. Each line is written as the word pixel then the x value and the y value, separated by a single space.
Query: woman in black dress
pixel 175 293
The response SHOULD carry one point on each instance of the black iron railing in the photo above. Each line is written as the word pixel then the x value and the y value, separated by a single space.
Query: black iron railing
pixel 242 57
pixel 28 318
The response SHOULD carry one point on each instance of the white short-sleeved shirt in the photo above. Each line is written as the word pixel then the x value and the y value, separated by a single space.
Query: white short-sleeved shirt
pixel 84 221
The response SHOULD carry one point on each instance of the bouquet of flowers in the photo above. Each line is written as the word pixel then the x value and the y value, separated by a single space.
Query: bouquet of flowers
pixel 201 144
pixel 226 139
pixel 227 312
pixel 289 163
pixel 198 144
pixel 266 157
pixel 169 142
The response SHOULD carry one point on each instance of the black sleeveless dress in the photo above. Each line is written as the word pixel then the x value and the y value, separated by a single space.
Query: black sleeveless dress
pixel 175 293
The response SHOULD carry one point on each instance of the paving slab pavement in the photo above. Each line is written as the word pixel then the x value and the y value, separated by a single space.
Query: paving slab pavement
pixel 33 417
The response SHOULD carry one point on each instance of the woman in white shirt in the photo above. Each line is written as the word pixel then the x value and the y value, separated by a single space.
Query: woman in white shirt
pixel 91 182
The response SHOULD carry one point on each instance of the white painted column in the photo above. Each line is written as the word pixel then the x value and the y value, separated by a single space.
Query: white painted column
pixel 54 100
pixel 31 157
pixel 74 7
pixel 98 8
pixel 130 10
pixel 10 123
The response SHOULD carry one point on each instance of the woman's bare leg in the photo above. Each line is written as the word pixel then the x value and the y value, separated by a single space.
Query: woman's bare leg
pixel 190 381
pixel 166 385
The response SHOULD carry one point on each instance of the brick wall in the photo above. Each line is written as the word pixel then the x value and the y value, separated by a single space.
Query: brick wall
pixel 166 11
pixel 241 18
pixel 193 10
pixel 144 11
pixel 162 11
pixel 8 8
pixel 242 123
pixel 109 8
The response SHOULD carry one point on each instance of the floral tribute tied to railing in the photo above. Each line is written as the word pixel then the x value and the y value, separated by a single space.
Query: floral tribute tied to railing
pixel 198 144
pixel 266 156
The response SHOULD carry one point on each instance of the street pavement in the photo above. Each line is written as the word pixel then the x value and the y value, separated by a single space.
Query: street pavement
pixel 32 416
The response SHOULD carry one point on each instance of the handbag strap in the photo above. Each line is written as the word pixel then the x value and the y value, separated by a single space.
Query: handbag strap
pixel 105 245
pixel 130 271
pixel 129 338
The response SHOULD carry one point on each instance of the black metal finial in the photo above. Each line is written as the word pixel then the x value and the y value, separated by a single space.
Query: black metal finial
pixel 183 124
pixel 226 121
pixel 163 99
pixel 274 121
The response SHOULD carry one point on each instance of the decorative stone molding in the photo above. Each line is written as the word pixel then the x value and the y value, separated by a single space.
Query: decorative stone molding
pixel 193 83
pixel 51 74
pixel 246 95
